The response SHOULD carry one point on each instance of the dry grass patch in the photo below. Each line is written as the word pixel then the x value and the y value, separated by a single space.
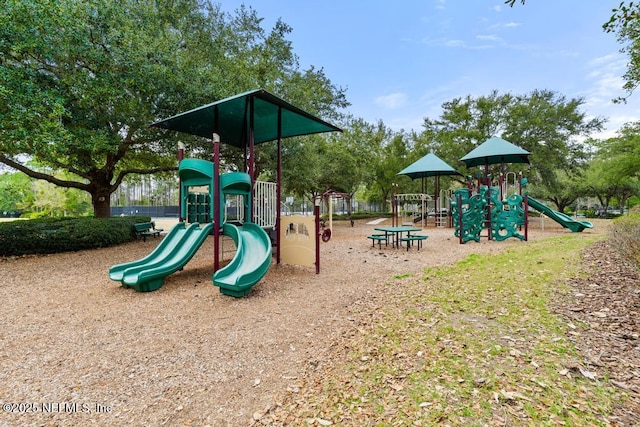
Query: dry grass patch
pixel 470 344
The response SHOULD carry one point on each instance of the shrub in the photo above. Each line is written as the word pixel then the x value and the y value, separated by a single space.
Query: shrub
pixel 53 235
pixel 625 236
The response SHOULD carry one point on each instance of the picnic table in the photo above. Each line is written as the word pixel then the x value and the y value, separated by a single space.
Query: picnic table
pixel 396 233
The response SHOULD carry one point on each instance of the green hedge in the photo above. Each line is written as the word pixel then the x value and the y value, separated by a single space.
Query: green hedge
pixel 54 235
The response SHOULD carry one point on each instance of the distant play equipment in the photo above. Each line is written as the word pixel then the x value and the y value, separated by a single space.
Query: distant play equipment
pixel 422 204
pixel 231 203
pixel 501 209
pixel 328 197
pixel 412 207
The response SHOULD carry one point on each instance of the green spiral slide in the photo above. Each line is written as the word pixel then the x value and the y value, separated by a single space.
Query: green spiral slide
pixel 250 262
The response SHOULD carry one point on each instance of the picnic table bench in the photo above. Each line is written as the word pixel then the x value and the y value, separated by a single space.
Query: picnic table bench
pixel 379 238
pixel 395 233
pixel 415 238
pixel 146 229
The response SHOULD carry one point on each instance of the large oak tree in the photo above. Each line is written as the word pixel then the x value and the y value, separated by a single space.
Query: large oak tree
pixel 81 81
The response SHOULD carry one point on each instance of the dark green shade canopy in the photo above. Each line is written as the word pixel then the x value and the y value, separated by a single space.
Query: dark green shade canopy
pixel 429 165
pixel 234 119
pixel 495 150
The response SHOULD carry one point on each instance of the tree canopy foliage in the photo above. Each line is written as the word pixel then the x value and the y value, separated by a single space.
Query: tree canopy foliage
pixel 614 172
pixel 623 151
pixel 548 125
pixel 625 23
pixel 80 82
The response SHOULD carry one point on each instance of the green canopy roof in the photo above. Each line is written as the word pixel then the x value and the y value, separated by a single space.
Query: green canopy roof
pixel 429 165
pixel 495 150
pixel 233 116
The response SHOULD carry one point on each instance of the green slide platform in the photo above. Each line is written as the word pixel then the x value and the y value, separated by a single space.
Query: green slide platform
pixel 250 262
pixel 173 252
pixel 562 219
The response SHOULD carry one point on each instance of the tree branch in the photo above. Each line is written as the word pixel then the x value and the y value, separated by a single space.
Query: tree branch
pixel 39 175
pixel 121 176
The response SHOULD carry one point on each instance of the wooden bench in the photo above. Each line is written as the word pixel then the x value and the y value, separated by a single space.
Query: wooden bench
pixel 378 238
pixel 146 229
pixel 415 238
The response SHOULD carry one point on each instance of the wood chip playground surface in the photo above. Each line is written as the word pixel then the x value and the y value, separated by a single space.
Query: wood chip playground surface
pixel 78 349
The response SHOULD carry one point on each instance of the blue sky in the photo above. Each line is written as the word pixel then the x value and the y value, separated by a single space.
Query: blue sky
pixel 399 61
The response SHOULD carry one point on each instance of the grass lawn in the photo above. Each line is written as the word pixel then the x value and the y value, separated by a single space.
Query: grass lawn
pixel 471 344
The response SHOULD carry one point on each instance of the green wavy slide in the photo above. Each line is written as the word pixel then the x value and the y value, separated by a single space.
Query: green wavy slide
pixel 173 253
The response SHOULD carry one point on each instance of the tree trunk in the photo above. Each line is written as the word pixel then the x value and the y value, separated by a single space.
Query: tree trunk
pixel 101 200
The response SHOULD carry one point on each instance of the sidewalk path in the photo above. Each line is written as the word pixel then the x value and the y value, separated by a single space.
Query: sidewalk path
pixel 376 221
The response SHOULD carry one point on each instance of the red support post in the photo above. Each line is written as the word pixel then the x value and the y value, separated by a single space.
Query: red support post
pixel 526 217
pixel 180 202
pixel 251 167
pixel 216 202
pixel 316 213
pixel 278 188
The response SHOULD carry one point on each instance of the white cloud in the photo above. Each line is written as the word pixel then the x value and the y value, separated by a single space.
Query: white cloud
pixel 502 25
pixel 489 37
pixel 604 80
pixel 454 43
pixel 458 43
pixel 606 60
pixel 392 101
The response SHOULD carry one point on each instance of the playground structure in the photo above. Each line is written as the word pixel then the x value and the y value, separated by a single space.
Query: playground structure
pixel 421 206
pixel 253 245
pixel 410 208
pixel 224 203
pixel 487 208
pixel 500 209
pixel 328 198
pixel 425 209
pixel 508 212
